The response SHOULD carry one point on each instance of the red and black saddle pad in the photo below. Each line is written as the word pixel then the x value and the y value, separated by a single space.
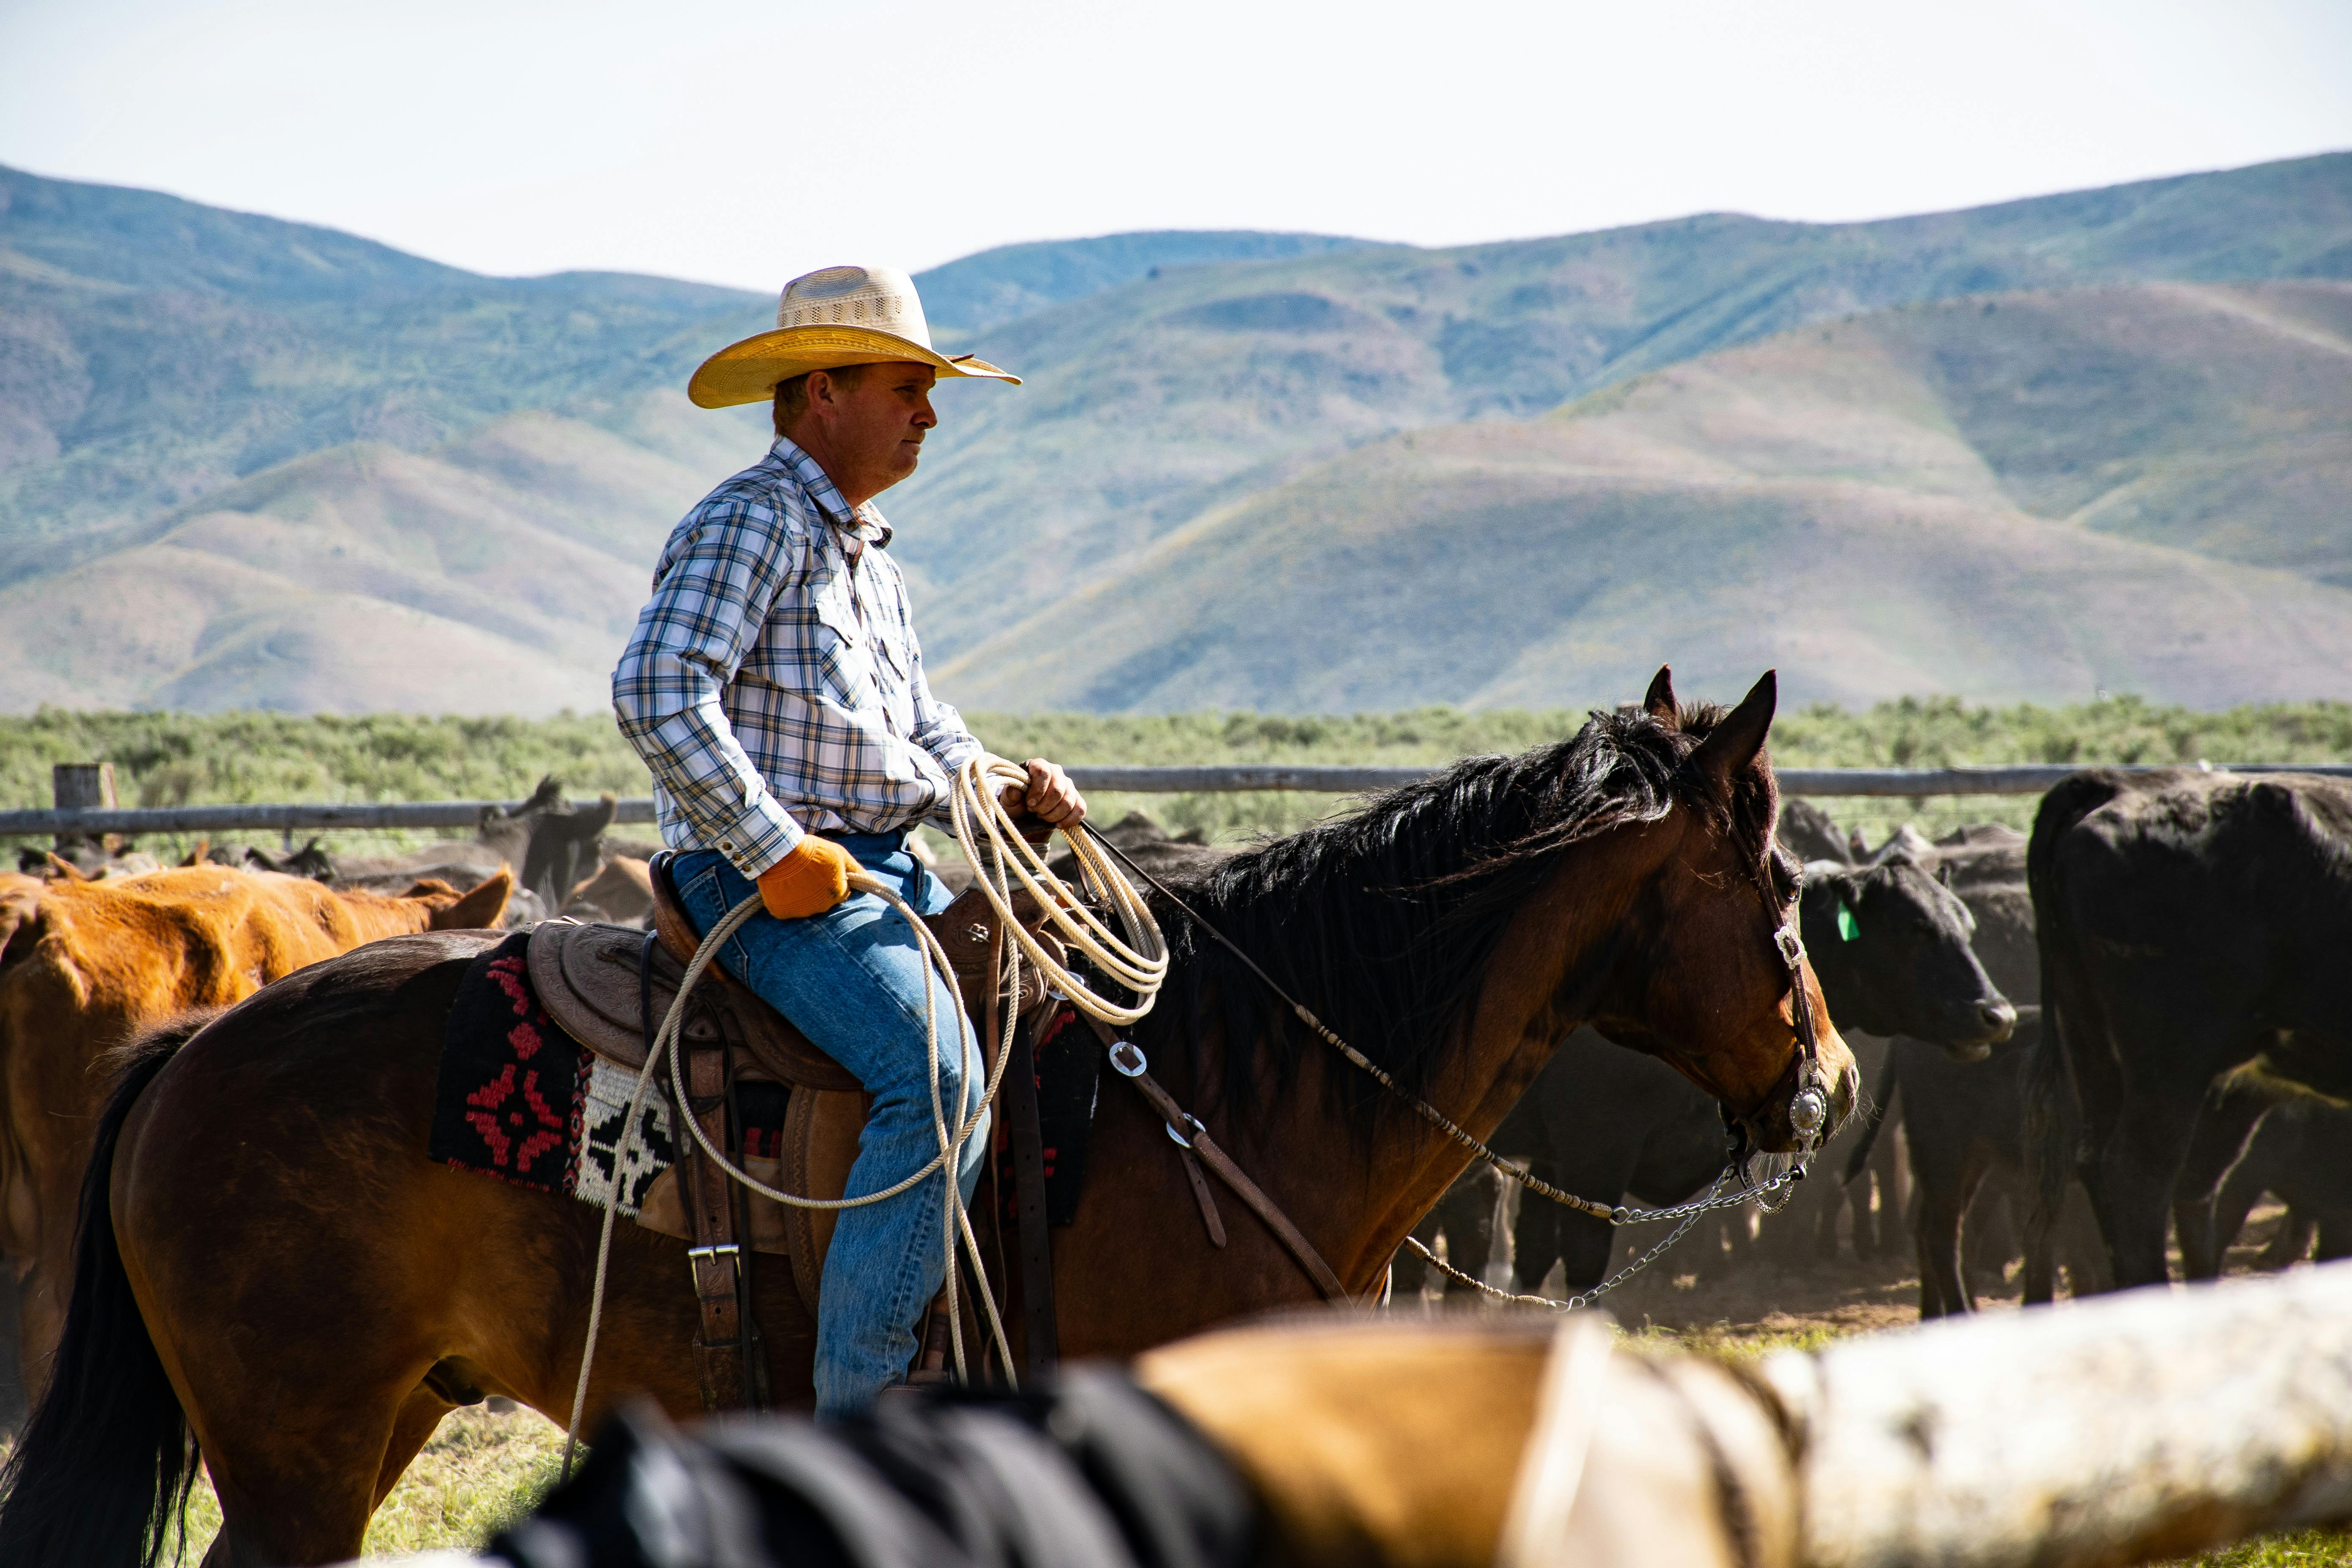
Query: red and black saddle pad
pixel 510 1098
pixel 519 1099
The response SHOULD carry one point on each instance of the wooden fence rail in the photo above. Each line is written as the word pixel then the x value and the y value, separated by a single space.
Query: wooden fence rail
pixel 1915 783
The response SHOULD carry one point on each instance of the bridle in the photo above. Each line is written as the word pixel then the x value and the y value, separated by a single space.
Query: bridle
pixel 1809 1107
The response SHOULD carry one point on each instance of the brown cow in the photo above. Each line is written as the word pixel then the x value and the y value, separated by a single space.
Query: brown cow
pixel 623 891
pixel 84 964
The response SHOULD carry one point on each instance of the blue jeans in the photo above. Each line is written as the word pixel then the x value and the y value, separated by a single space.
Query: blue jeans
pixel 853 979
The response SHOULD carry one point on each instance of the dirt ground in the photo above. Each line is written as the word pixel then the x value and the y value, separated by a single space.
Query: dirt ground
pixel 1748 1296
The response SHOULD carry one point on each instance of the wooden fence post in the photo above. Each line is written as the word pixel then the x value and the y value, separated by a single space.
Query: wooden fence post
pixel 83 786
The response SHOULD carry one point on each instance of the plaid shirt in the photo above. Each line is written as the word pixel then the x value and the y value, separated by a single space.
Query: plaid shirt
pixel 774 683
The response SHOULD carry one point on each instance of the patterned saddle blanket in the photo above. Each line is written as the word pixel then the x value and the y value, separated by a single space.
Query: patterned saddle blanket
pixel 521 1100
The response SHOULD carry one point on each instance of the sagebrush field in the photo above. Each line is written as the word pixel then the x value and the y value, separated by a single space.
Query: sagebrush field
pixel 175 759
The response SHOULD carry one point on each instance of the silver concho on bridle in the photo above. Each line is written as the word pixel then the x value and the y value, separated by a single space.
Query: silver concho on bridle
pixel 1809 1107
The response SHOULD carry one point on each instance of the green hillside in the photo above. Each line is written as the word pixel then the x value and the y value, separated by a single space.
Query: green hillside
pixel 251 463
pixel 1980 495
pixel 966 297
pixel 152 350
pixel 1151 405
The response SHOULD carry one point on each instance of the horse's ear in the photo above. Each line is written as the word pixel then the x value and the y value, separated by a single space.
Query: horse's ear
pixel 1732 744
pixel 1660 702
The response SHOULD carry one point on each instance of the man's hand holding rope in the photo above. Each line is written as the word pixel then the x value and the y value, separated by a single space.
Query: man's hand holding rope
pixel 1049 797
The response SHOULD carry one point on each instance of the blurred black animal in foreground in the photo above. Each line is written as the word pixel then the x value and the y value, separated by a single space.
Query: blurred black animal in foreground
pixel 1090 1473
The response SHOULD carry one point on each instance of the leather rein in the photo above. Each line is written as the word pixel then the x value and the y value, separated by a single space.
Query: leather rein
pixel 1807 1108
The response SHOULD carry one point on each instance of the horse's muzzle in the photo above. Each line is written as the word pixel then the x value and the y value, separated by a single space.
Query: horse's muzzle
pixel 1776 1126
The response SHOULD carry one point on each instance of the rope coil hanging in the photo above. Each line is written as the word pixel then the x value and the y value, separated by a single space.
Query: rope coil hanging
pixel 985 831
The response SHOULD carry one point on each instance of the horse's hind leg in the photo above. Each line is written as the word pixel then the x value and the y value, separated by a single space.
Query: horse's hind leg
pixel 420 1413
pixel 303 1490
pixel 297 1423
pixel 298 1478
pixel 297 1287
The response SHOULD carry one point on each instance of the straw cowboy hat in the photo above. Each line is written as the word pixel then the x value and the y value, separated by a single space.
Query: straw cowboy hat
pixel 833 317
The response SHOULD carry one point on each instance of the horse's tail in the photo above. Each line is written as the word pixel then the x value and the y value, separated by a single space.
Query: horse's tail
pixel 2047 1089
pixel 1873 1119
pixel 102 1475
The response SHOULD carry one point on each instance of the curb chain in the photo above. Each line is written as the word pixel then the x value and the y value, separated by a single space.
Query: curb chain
pixel 1690 1213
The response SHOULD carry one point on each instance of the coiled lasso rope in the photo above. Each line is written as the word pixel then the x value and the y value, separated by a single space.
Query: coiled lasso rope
pixel 1135 958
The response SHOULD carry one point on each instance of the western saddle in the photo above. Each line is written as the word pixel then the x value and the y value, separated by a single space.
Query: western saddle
pixel 609 987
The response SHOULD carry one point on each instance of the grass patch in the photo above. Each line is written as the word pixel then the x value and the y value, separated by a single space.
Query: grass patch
pixel 478 1474
pixel 2303 1549
pixel 1724 1340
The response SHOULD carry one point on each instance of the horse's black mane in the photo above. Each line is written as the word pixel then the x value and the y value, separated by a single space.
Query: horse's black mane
pixel 1382 923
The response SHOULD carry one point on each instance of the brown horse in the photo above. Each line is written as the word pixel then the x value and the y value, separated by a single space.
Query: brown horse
pixel 85 965
pixel 285 1265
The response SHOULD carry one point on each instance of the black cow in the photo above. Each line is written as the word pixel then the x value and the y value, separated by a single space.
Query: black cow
pixel 2188 922
pixel 1891 947
pixel 1600 1120
pixel 1806 831
pixel 1963 1122
pixel 1902 962
pixel 1893 950
pixel 2301 1154
pixel 312 860
pixel 2258 1135
pixel 2236 1106
pixel 1466 1217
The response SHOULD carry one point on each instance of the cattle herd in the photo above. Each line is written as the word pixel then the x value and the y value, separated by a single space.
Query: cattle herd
pixel 1928 955
pixel 2201 924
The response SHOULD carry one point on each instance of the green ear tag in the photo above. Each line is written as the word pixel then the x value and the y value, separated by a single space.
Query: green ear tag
pixel 1848 927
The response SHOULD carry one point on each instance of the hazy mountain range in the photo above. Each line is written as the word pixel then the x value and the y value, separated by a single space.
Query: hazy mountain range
pixel 2095 439
pixel 2140 487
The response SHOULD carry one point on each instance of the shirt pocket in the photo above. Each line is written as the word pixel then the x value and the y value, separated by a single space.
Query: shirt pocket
pixel 890 658
pixel 844 665
pixel 891 664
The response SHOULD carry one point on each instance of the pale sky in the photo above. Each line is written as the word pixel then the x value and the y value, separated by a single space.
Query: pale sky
pixel 743 143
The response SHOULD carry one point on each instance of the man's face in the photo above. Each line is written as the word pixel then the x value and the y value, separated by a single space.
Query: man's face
pixel 874 422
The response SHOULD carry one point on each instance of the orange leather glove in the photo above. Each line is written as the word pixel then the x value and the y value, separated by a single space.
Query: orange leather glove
pixel 810 880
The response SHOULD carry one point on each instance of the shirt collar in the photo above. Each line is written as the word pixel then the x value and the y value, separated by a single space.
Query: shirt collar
pixel 865 523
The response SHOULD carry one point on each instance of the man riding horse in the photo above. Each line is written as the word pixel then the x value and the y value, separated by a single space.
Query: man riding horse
pixel 774 686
